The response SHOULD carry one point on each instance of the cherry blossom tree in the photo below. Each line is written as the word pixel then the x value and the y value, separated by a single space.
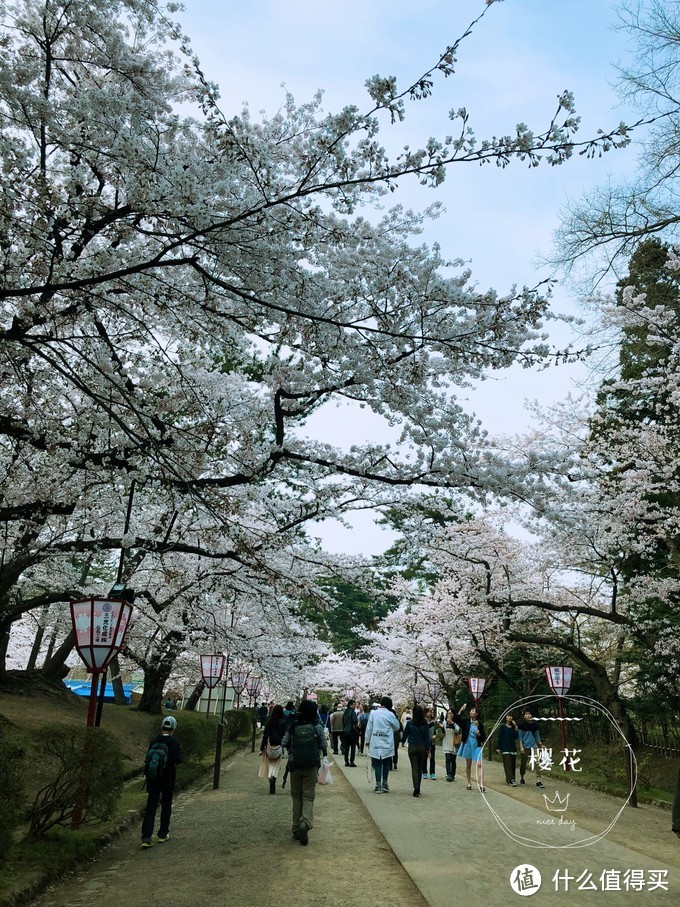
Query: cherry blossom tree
pixel 181 292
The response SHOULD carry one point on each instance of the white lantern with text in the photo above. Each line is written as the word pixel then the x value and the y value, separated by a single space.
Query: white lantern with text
pixel 99 627
pixel 212 667
pixel 476 685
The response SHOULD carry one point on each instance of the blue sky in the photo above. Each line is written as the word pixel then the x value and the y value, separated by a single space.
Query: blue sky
pixel 521 56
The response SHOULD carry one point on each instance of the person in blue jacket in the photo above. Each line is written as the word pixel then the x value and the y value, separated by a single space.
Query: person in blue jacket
pixel 529 739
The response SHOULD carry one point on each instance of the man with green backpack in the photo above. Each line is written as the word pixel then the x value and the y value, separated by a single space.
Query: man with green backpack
pixel 305 741
pixel 163 754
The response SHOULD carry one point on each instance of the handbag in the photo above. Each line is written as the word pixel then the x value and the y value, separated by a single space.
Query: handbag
pixel 274 752
pixel 457 739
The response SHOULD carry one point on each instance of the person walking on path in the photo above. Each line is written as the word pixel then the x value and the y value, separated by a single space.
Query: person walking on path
pixel 675 815
pixel 397 740
pixel 473 736
pixel 325 719
pixel 432 726
pixel 529 739
pixel 417 736
pixel 363 723
pixel 271 747
pixel 450 743
pixel 507 747
pixel 305 740
pixel 349 734
pixel 336 728
pixel 382 723
pixel 162 757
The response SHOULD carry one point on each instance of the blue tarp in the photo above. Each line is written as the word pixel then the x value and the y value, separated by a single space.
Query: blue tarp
pixel 82 688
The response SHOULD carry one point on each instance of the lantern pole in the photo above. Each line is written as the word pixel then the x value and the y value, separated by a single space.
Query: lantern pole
pixel 559 681
pixel 92 704
pixel 220 728
pixel 99 627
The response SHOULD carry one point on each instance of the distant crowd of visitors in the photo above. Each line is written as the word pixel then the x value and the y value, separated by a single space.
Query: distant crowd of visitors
pixel 296 740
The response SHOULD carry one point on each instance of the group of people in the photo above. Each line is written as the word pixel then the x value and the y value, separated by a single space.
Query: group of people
pixel 303 734
pixel 296 738
pixel 461 735
pixel 347 727
pixel 527 735
pixel 377 730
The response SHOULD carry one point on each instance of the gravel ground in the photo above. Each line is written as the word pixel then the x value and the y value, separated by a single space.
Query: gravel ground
pixel 233 846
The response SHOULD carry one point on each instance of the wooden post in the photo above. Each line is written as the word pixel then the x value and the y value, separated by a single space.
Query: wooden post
pixel 218 755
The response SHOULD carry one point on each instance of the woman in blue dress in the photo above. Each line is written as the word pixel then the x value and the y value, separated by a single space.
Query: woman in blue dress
pixel 472 741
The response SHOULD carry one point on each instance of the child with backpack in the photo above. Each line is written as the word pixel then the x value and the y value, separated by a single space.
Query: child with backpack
pixel 162 755
pixel 305 740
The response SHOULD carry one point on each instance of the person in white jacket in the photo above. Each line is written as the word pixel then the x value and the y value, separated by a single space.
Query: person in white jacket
pixel 382 723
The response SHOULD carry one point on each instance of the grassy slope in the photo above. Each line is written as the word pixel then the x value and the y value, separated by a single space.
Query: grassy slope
pixel 26 703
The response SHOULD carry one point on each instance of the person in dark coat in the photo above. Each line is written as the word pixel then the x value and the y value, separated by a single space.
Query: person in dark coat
pixel 417 735
pixel 274 730
pixel 350 724
pixel 507 747
pixel 162 790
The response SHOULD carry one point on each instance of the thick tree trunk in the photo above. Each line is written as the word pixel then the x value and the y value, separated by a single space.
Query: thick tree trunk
pixel 155 679
pixel 50 647
pixel 609 697
pixel 117 682
pixel 55 668
pixel 192 701
pixel 35 649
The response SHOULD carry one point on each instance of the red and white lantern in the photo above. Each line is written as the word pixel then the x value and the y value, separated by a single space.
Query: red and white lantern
pixel 476 685
pixel 238 681
pixel 99 626
pixel 212 667
pixel 253 686
pixel 559 679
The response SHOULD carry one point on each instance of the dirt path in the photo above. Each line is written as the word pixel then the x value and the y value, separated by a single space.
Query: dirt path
pixel 233 847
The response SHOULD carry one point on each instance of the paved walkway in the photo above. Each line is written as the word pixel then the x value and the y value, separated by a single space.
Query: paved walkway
pixel 233 847
pixel 456 852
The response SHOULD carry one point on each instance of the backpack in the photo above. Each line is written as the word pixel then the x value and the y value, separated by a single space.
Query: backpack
pixel 156 761
pixel 304 751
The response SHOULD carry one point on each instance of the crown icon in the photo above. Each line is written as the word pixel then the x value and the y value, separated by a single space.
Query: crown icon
pixel 557 804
